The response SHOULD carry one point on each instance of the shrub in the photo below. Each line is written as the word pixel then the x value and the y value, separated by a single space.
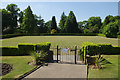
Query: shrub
pixel 118 36
pixel 53 31
pixel 26 48
pixel 101 35
pixel 45 46
pixel 95 49
pixel 9 51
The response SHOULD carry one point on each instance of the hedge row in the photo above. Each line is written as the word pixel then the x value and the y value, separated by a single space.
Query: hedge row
pixel 55 34
pixel 48 34
pixel 95 49
pixel 24 49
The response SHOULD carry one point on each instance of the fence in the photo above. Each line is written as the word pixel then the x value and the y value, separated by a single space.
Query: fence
pixel 71 56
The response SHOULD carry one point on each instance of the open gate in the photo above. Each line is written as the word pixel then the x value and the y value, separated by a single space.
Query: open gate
pixel 67 55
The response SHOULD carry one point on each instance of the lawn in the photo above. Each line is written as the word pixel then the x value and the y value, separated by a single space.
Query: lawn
pixel 109 70
pixel 20 65
pixel 62 41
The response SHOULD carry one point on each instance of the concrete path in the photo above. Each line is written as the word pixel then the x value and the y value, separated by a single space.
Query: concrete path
pixel 57 70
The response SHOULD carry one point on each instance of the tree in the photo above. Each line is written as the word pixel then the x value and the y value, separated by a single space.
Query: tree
pixel 111 29
pixel 62 22
pixel 29 22
pixel 13 9
pixel 20 17
pixel 71 25
pixel 53 24
pixel 48 25
pixel 6 21
pixel 107 20
pixel 94 24
pixel 41 26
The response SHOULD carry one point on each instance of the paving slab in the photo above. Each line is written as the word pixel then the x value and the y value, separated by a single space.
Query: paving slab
pixel 57 70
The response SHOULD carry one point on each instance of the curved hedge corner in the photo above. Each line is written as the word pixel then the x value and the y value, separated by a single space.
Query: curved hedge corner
pixel 24 49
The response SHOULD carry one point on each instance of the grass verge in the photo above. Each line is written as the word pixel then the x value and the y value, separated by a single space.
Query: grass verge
pixel 108 71
pixel 20 65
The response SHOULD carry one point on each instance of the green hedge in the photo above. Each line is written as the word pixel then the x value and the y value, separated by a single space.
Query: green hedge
pixel 9 51
pixel 118 36
pixel 24 49
pixel 95 49
pixel 45 46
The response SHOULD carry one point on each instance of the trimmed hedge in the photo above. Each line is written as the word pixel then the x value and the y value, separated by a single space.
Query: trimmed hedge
pixel 11 51
pixel 45 46
pixel 24 49
pixel 55 34
pixel 95 49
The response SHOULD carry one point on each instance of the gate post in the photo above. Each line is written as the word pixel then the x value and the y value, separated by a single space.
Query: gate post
pixel 57 53
pixel 75 54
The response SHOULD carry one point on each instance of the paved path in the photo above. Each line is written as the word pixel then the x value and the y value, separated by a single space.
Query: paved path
pixel 57 70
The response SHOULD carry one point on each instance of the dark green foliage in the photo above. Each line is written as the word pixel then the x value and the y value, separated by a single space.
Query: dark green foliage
pixel 111 29
pixel 29 23
pixel 71 25
pixel 13 9
pixel 20 17
pixel 96 49
pixel 11 35
pixel 53 23
pixel 94 24
pixel 9 51
pixel 43 46
pixel 6 21
pixel 62 22
pixel 26 48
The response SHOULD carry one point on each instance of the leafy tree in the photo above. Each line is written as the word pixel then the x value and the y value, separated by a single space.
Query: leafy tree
pixel 41 26
pixel 71 25
pixel 29 22
pixel 107 20
pixel 6 21
pixel 62 22
pixel 20 17
pixel 111 29
pixel 53 24
pixel 13 9
pixel 48 25
pixel 94 24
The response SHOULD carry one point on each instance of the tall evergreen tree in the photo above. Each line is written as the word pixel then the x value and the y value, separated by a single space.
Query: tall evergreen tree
pixel 53 24
pixel 71 25
pixel 29 22
pixel 62 22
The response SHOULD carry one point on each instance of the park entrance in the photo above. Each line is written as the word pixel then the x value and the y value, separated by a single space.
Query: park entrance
pixel 67 55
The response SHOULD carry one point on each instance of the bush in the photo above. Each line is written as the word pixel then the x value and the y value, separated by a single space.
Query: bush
pixel 101 35
pixel 9 51
pixel 118 36
pixel 26 48
pixel 45 46
pixel 95 49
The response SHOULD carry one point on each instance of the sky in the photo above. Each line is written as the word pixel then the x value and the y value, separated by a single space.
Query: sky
pixel 82 10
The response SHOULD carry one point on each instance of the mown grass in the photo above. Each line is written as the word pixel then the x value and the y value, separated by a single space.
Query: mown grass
pixel 62 41
pixel 19 63
pixel 109 70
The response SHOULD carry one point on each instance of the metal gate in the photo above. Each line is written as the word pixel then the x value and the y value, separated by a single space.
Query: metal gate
pixel 67 55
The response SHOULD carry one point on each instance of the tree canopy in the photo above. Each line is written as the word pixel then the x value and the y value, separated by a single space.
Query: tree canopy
pixel 71 25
